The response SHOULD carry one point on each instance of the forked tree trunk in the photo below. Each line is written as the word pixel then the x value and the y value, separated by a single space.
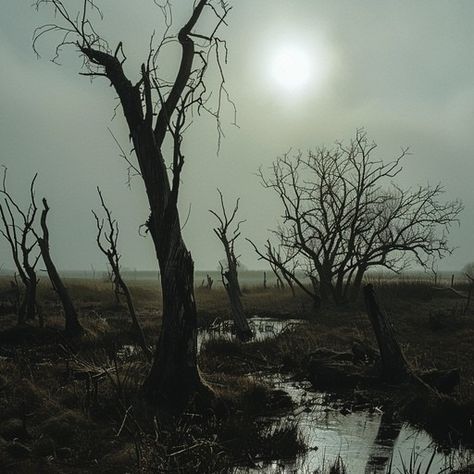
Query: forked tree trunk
pixel 228 231
pixel 394 365
pixel 72 325
pixel 174 376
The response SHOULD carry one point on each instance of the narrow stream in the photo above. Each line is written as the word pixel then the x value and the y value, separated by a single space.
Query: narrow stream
pixel 366 441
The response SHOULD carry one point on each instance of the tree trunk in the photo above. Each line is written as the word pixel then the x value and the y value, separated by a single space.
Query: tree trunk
pixel 30 300
pixel 174 375
pixel 231 284
pixel 354 289
pixel 325 289
pixel 394 366
pixel 339 297
pixel 72 325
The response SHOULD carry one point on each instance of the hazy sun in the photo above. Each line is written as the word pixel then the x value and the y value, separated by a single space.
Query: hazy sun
pixel 292 68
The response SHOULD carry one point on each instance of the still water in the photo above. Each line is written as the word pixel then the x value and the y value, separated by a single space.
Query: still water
pixel 367 441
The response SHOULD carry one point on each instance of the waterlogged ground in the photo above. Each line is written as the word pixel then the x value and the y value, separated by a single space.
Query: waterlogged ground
pixel 262 328
pixel 364 440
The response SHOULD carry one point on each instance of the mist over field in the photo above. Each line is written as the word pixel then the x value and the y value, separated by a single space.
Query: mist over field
pixel 403 70
pixel 236 237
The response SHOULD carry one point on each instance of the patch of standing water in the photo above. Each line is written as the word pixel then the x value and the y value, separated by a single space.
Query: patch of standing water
pixel 366 441
pixel 262 328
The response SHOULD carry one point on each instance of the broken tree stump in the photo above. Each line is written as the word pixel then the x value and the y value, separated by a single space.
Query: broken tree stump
pixel 394 365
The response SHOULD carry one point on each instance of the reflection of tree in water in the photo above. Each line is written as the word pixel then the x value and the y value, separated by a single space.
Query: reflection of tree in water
pixel 382 448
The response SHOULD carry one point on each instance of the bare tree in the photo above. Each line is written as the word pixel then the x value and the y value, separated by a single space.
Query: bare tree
pixel 342 215
pixel 107 239
pixel 210 282
pixel 19 233
pixel 156 109
pixel 228 231
pixel 72 325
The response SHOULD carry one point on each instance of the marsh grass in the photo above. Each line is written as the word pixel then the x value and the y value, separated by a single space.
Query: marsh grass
pixel 68 405
pixel 84 406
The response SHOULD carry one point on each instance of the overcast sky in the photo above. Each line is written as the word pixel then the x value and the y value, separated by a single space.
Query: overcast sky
pixel 404 70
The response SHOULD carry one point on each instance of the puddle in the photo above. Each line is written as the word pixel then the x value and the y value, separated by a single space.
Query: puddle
pixel 262 328
pixel 366 441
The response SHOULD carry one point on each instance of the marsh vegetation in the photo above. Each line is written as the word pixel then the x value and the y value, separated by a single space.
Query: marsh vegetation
pixel 70 405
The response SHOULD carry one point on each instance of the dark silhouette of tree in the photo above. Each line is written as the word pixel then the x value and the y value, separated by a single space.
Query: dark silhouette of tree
pixel 228 231
pixel 72 325
pixel 19 233
pixel 155 110
pixel 107 238
pixel 394 367
pixel 343 214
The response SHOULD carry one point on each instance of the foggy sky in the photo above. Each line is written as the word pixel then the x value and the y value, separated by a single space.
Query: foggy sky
pixel 404 70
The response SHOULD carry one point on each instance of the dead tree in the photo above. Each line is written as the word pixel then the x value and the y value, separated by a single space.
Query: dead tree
pixel 19 233
pixel 156 109
pixel 210 282
pixel 342 215
pixel 107 238
pixel 72 325
pixel 394 365
pixel 228 234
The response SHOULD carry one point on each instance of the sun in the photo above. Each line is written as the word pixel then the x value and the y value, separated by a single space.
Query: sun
pixel 292 68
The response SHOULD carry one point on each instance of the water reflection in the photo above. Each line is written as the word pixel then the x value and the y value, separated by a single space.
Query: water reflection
pixel 262 328
pixel 367 441
pixel 381 451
